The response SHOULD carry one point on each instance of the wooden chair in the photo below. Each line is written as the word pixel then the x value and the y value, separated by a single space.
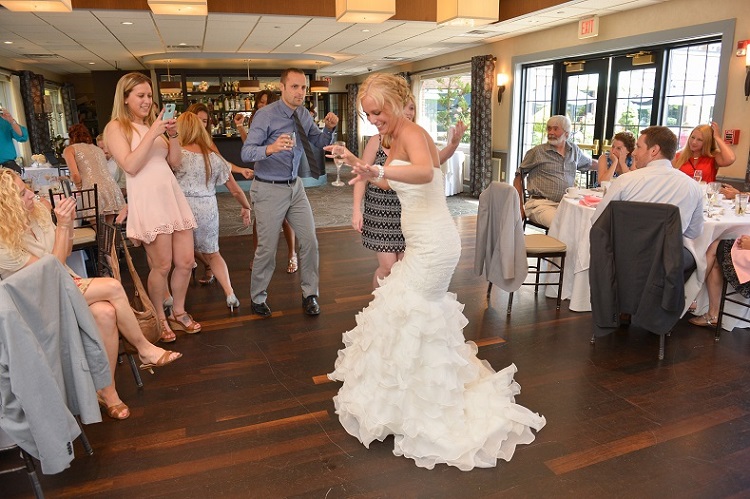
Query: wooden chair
pixel 86 221
pixel 732 297
pixel 541 247
pixel 519 182
pixel 546 249
pixel 109 266
pixel 10 464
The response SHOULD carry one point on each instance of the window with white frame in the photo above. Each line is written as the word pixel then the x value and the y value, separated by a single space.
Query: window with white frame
pixel 692 77
pixel 537 105
pixel 443 101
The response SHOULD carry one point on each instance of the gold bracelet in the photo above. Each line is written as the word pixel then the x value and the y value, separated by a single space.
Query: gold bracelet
pixel 173 136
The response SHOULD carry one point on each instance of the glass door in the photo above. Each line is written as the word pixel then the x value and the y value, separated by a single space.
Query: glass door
pixel 634 94
pixel 584 86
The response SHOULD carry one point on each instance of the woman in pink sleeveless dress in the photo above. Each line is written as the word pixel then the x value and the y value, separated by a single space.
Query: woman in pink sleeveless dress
pixel 159 217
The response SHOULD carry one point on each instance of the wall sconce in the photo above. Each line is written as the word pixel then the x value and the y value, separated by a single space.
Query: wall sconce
pixel 502 80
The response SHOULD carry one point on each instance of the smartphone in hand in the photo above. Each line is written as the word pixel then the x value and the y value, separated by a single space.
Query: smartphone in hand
pixel 67 188
pixel 169 109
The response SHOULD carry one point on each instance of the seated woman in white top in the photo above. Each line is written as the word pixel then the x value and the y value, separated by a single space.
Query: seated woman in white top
pixel 27 233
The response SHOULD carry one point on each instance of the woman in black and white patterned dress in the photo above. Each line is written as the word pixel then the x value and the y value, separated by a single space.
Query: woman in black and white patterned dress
pixel 380 221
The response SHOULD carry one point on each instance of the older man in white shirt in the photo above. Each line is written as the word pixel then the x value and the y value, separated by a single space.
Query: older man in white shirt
pixel 656 181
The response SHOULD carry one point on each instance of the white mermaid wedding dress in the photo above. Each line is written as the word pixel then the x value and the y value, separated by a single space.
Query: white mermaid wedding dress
pixel 406 367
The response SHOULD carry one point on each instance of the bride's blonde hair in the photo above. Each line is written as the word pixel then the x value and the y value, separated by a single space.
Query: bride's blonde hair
pixel 384 88
pixel 15 218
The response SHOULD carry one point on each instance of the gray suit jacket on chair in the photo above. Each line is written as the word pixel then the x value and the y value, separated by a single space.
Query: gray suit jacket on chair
pixel 52 361
pixel 500 247
pixel 636 266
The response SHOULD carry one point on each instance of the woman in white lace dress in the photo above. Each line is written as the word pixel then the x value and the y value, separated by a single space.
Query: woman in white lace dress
pixel 406 368
pixel 201 171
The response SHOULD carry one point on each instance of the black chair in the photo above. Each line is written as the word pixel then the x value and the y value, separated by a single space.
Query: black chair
pixel 541 247
pixel 11 464
pixel 731 297
pixel 519 182
pixel 86 221
pixel 637 268
pixel 109 266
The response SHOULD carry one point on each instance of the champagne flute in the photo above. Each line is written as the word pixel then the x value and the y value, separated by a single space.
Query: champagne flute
pixel 338 158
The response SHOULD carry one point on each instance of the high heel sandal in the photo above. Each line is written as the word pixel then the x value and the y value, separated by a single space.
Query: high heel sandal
pixel 206 279
pixel 166 358
pixel 293 265
pixel 232 302
pixel 191 327
pixel 118 411
pixel 704 320
pixel 167 335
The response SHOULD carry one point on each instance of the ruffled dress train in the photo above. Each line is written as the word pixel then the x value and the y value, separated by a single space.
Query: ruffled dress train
pixel 406 367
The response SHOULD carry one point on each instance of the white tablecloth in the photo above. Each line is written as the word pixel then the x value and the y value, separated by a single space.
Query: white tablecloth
pixel 725 226
pixel 454 174
pixel 40 177
pixel 572 224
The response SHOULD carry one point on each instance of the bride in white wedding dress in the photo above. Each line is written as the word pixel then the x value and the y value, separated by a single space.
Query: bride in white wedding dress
pixel 406 368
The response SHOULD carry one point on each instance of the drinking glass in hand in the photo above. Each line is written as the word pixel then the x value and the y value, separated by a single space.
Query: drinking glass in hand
pixel 698 175
pixel 338 159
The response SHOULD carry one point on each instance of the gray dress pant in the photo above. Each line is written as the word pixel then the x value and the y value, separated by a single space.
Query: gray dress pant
pixel 272 203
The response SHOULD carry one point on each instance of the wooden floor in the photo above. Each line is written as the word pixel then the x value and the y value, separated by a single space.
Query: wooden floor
pixel 247 412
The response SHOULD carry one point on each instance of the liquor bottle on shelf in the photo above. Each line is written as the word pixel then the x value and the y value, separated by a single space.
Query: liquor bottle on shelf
pixel 247 104
pixel 226 103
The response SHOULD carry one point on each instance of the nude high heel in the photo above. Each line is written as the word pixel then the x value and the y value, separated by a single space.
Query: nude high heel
pixel 232 302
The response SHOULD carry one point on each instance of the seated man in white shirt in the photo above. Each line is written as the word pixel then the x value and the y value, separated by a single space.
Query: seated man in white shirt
pixel 656 181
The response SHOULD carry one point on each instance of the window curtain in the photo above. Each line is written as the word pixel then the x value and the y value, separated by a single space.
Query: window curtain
pixel 482 73
pixel 352 138
pixel 68 93
pixel 32 94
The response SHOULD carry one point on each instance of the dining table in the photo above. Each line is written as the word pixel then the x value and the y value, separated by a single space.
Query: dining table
pixel 572 225
pixel 41 177
pixel 720 222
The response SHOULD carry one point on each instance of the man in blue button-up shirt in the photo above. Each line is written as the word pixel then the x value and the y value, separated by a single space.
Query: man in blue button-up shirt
pixel 278 193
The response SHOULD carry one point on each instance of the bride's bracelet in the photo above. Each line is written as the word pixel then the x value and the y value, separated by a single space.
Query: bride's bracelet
pixel 381 172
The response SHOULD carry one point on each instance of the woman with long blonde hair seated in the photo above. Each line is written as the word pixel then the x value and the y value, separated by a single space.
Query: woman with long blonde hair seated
pixel 27 233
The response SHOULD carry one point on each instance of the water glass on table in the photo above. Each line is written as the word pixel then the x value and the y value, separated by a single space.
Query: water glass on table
pixel 740 203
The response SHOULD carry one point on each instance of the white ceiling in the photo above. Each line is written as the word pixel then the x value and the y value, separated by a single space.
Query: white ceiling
pixel 96 40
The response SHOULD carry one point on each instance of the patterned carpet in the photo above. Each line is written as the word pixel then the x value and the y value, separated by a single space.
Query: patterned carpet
pixel 332 206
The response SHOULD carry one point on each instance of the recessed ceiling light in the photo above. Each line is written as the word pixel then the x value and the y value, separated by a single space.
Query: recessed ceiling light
pixel 92 63
pixel 8 42
pixel 182 44
pixel 297 44
pixel 126 23
pixel 365 31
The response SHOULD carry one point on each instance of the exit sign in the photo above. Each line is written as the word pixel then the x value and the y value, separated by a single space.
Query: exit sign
pixel 588 27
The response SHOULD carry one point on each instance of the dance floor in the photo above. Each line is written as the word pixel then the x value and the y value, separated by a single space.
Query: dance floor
pixel 247 411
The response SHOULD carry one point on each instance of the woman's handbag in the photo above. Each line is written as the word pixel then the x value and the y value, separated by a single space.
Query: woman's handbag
pixel 143 309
